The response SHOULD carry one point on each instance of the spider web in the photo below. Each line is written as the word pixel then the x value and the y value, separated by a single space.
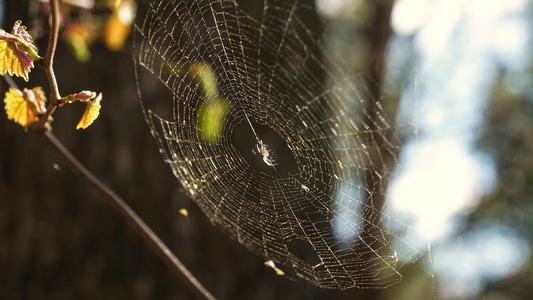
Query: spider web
pixel 293 157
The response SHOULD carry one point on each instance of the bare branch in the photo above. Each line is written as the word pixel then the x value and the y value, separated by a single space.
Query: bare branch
pixel 47 65
pixel 135 222
pixel 48 61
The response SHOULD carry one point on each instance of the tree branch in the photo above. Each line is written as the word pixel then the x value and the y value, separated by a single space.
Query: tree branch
pixel 129 215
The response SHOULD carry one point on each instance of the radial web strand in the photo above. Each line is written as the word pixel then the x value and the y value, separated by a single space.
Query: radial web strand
pixel 282 149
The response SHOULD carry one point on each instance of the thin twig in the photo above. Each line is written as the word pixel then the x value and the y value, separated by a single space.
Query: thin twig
pixel 48 67
pixel 129 215
pixel 48 62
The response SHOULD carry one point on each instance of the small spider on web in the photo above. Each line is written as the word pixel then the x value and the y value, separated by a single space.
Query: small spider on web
pixel 263 150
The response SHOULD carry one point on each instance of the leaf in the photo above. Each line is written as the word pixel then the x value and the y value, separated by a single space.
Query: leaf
pixel 116 4
pixel 272 265
pixel 91 112
pixel 207 79
pixel 184 212
pixel 118 25
pixel 17 52
pixel 83 96
pixel 24 107
pixel 211 117
pixel 17 108
pixel 79 35
pixel 36 98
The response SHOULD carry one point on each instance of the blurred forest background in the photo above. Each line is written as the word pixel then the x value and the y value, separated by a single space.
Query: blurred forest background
pixel 58 240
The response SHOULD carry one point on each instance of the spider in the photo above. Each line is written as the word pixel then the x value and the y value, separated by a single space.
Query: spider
pixel 262 149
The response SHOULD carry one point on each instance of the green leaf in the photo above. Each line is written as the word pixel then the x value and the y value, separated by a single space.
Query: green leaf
pixel 211 117
pixel 205 75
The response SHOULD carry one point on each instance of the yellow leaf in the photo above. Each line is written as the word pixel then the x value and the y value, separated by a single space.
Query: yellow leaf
pixel 18 109
pixel 116 4
pixel 271 264
pixel 184 212
pixel 91 112
pixel 119 25
pixel 9 62
pixel 17 52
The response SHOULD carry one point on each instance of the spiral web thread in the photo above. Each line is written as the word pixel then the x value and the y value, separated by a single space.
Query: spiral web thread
pixel 299 170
